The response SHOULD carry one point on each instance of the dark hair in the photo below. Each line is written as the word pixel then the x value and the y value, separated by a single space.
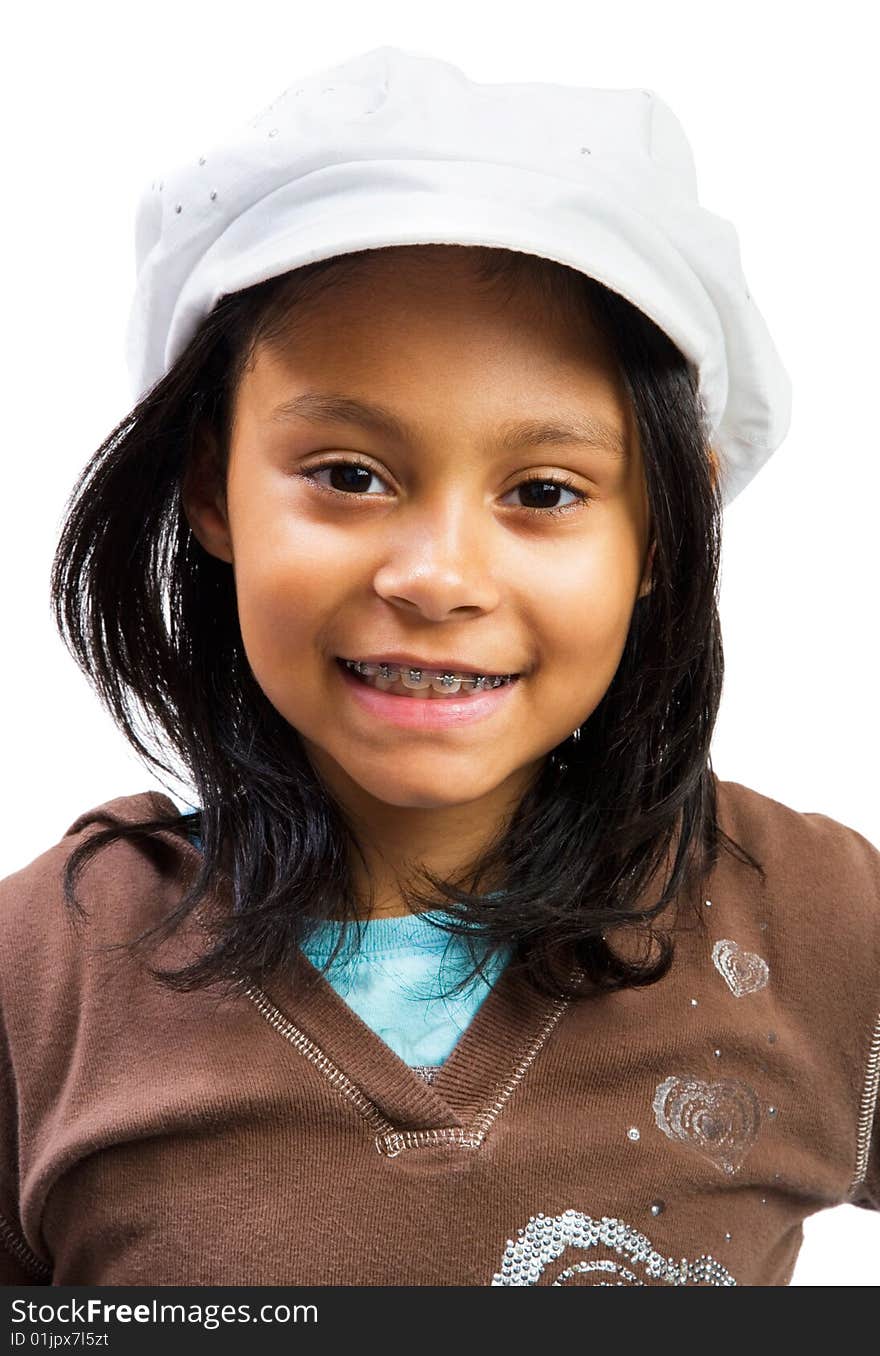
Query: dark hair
pixel 151 618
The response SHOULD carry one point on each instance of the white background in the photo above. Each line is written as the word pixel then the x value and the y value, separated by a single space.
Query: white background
pixel 97 100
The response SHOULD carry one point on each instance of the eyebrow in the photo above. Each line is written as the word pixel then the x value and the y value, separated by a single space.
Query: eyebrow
pixel 329 407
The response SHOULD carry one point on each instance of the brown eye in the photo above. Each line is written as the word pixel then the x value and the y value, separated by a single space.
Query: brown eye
pixel 540 493
pixel 350 475
pixel 345 477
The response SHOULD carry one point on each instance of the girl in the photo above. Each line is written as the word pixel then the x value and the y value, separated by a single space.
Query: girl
pixel 463 968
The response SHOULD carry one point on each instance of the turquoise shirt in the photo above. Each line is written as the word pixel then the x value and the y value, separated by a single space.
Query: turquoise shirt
pixel 392 980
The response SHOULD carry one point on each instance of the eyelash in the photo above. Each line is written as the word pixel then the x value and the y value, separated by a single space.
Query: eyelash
pixel 583 499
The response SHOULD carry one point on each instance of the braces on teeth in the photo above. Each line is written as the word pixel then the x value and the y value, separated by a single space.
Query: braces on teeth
pixel 421 678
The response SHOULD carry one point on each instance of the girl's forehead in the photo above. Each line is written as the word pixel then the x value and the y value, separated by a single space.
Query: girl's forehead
pixel 435 331
pixel 455 283
pixel 529 404
pixel 422 363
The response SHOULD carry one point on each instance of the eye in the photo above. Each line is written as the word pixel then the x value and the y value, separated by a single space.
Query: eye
pixel 352 478
pixel 543 488
pixel 346 477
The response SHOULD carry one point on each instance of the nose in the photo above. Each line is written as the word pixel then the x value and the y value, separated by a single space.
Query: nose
pixel 438 563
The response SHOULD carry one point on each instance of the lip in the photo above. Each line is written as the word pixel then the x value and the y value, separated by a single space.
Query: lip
pixel 413 713
pixel 444 665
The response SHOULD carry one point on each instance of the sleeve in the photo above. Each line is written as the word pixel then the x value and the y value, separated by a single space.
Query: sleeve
pixel 12 1271
pixel 18 1265
pixel 866 1192
pixel 865 1189
pixel 834 873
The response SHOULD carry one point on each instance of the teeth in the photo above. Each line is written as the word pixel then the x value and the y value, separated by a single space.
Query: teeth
pixel 448 682
pixel 421 682
pixel 415 680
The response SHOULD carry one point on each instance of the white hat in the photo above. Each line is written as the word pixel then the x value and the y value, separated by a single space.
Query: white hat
pixel 392 148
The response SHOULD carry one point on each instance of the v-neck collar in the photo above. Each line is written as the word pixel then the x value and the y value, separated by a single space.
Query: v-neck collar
pixel 470 1089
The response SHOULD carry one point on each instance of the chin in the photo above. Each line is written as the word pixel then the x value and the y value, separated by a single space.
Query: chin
pixel 432 797
pixel 435 791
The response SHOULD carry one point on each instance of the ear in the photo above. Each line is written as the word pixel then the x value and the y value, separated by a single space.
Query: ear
pixel 203 495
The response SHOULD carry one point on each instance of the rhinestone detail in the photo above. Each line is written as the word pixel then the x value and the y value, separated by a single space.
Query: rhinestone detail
pixel 743 972
pixel 544 1239
pixel 719 1119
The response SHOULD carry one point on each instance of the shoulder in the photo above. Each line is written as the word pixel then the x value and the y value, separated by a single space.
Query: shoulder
pixel 32 892
pixel 126 887
pixel 807 855
pixel 817 909
pixel 771 824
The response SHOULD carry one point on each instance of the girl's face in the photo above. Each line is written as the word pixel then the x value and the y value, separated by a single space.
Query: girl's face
pixel 354 535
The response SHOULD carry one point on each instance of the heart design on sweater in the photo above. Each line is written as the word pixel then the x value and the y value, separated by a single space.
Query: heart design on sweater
pixel 621 1255
pixel 743 971
pixel 720 1120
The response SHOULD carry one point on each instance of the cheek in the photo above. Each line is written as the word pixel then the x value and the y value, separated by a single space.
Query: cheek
pixel 582 611
pixel 289 583
pixel 588 596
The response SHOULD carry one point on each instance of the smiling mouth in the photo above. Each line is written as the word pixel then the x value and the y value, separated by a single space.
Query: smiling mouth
pixel 407 682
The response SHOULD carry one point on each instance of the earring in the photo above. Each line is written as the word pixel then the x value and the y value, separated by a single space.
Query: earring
pixel 575 738
pixel 555 758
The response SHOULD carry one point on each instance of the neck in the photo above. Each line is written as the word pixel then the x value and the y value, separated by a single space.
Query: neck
pixel 396 841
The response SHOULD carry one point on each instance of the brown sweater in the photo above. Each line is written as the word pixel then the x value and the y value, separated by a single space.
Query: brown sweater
pixel 677 1134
